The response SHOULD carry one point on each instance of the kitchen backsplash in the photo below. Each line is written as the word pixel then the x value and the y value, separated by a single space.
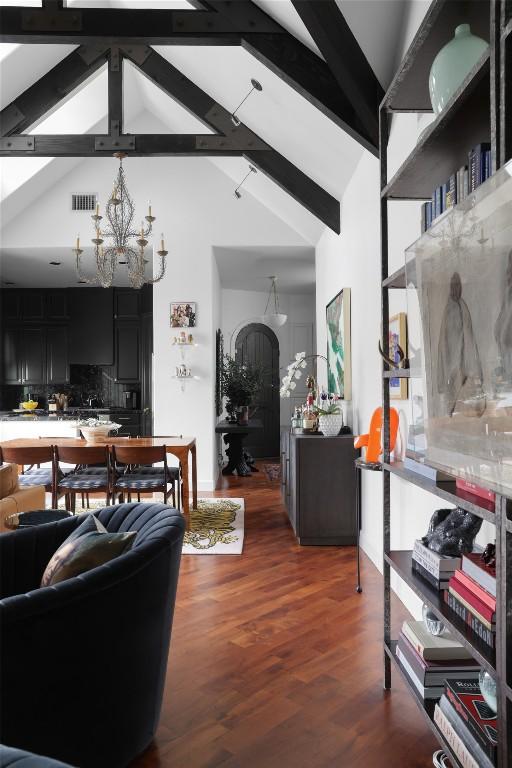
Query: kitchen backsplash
pixel 85 381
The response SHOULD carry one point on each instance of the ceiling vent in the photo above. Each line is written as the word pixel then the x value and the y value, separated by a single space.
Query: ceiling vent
pixel 83 202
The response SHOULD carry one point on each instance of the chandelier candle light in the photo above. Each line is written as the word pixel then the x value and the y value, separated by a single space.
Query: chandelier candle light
pixel 120 213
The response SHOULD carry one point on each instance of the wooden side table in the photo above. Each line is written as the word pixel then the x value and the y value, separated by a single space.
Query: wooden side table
pixel 234 436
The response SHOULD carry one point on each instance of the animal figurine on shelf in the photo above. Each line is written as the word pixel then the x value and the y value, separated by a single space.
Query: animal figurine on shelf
pixel 373 440
pixel 452 532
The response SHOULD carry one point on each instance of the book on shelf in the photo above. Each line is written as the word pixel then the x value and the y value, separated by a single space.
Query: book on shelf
pixel 454 741
pixel 436 582
pixel 451 191
pixel 484 633
pixel 474 565
pixel 479 592
pixel 488 624
pixel 470 705
pixel 431 473
pixel 485 760
pixel 468 487
pixel 476 605
pixel 435 673
pixel 434 559
pixel 432 647
pixel 479 165
pixel 425 691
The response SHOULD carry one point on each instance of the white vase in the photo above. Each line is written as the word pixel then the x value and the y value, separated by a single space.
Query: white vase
pixel 331 424
pixel 451 65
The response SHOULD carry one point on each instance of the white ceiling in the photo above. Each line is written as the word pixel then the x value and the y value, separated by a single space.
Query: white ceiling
pixel 249 268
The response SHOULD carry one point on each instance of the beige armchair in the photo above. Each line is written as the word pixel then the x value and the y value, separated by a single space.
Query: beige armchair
pixel 15 499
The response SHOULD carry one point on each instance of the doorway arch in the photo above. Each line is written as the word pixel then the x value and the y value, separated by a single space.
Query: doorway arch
pixel 257 343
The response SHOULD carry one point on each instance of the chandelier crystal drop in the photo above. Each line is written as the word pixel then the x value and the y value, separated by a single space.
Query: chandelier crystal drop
pixel 119 242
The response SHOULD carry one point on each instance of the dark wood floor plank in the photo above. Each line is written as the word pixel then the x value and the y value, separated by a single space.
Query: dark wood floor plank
pixel 276 661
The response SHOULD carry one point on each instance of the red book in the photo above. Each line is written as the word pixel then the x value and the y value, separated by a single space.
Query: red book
pixel 476 490
pixel 477 590
pixel 470 597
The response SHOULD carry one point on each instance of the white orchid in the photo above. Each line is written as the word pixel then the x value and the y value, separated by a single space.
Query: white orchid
pixel 292 385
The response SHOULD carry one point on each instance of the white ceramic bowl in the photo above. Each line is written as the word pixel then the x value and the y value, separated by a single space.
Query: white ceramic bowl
pixel 98 434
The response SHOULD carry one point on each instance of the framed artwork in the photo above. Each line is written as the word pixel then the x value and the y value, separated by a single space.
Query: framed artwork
pixel 183 314
pixel 398 389
pixel 339 373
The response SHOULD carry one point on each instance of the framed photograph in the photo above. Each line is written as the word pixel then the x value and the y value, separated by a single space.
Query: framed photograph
pixel 398 389
pixel 183 314
pixel 339 373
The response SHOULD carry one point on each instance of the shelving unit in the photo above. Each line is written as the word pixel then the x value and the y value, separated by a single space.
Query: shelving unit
pixel 480 110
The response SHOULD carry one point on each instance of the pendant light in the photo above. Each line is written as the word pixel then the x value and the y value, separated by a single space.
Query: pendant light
pixel 276 318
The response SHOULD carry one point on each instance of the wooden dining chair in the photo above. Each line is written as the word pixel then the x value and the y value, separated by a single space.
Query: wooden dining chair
pixel 30 460
pixel 133 471
pixel 92 473
pixel 173 475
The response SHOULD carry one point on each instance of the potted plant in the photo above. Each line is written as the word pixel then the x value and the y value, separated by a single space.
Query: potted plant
pixel 330 420
pixel 241 382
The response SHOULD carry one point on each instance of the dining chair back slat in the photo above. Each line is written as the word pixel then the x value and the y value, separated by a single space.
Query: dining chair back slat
pixel 25 456
pixel 83 455
pixel 139 454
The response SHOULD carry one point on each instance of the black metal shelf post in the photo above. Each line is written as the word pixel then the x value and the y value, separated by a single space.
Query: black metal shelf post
pixel 483 102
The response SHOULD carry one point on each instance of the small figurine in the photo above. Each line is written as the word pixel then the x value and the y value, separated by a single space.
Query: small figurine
pixel 452 532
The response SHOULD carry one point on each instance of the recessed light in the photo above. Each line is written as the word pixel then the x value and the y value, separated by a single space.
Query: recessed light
pixel 122 263
pixel 82 282
pixel 55 263
pixel 9 282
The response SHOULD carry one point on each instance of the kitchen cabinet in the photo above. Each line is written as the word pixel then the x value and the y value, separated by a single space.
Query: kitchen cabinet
pixel 33 355
pixel 32 305
pixel 130 424
pixel 12 356
pixel 126 304
pixel 57 359
pixel 127 351
pixel 318 485
pixel 11 304
pixel 56 305
pixel 91 326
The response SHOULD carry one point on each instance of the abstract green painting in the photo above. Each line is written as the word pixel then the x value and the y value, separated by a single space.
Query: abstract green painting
pixel 338 345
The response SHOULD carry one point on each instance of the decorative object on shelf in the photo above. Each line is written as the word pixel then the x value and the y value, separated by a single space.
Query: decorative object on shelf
pixel 237 192
pixel 452 64
pixel 95 431
pixel 339 373
pixel 184 340
pixel 219 354
pixel 183 371
pixel 434 625
pixel 241 382
pixel 398 389
pixel 373 440
pixel 183 314
pixel 452 531
pixel 488 688
pixel 330 420
pixel 120 213
pixel 255 86
pixel 274 319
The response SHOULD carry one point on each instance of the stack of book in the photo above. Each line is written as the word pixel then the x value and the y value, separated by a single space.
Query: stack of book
pixel 472 595
pixel 430 660
pixel 459 185
pixel 467 723
pixel 432 567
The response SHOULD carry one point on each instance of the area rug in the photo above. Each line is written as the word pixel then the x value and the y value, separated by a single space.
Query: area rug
pixel 272 471
pixel 216 528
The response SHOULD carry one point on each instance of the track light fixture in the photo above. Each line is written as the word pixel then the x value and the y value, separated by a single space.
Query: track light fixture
pixel 256 86
pixel 238 194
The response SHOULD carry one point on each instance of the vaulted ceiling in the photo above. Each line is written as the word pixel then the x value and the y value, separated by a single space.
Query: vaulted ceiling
pixel 314 150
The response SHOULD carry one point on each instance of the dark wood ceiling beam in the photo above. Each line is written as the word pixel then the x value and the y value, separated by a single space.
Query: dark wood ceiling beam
pixel 347 62
pixel 51 88
pixel 115 92
pixel 298 66
pixel 299 186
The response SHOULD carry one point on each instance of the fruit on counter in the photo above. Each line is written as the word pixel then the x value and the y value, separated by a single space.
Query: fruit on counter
pixel 29 405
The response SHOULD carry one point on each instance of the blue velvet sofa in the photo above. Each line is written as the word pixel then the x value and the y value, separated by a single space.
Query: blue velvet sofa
pixel 83 663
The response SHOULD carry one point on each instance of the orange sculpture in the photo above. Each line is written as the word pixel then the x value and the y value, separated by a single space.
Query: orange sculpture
pixel 373 440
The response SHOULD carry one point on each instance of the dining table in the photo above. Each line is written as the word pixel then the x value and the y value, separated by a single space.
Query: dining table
pixel 183 448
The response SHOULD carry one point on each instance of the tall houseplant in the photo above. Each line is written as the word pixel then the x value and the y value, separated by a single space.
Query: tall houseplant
pixel 241 382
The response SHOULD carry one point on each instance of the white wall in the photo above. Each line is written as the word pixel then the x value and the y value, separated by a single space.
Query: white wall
pixel 195 207
pixel 298 334
pixel 352 259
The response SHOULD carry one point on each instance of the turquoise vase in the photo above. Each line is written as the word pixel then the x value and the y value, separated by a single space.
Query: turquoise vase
pixel 452 64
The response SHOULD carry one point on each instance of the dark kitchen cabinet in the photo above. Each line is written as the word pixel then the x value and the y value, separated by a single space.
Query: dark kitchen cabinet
pixel 33 305
pixel 127 304
pixel 12 356
pixel 91 326
pixel 33 355
pixel 11 304
pixel 57 358
pixel 127 351
pixel 56 305
pixel 318 483
pixel 130 424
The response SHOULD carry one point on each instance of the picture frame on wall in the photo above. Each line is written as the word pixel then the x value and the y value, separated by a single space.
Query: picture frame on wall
pixel 398 388
pixel 339 368
pixel 183 314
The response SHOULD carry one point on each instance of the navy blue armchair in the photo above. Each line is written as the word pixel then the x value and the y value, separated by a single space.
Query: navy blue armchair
pixel 83 663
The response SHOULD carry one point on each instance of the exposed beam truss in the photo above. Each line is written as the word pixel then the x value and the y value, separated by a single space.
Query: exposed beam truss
pixel 228 139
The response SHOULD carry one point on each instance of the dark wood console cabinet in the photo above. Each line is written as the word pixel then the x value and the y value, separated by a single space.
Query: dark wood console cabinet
pixel 318 484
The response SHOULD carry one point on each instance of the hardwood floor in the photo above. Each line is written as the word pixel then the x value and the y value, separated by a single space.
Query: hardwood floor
pixel 275 660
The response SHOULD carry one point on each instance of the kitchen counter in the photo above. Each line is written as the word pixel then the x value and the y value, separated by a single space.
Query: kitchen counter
pixel 72 414
pixel 41 423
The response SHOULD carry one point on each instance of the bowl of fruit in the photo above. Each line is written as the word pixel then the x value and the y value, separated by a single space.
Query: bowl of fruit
pixel 29 405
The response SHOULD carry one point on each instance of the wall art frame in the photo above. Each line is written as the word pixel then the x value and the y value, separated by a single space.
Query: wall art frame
pixel 183 314
pixel 339 366
pixel 398 387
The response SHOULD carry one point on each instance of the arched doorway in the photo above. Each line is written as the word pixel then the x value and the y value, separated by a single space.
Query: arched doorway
pixel 257 343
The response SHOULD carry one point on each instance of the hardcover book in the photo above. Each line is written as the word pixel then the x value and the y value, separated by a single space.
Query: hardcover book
pixel 434 673
pixel 476 605
pixel 479 592
pixel 457 745
pixel 476 490
pixel 483 632
pixel 439 562
pixel 426 471
pixel 471 609
pixel 426 692
pixel 471 706
pixel 485 575
pixel 486 759
pixel 436 583
pixel 432 647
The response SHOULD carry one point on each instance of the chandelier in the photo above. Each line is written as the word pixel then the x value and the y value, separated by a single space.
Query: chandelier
pixel 113 244
pixel 275 318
